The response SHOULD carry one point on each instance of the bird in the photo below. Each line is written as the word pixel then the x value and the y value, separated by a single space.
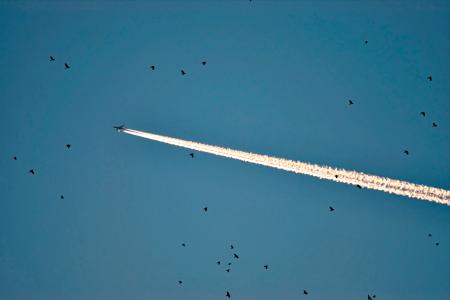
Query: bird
pixel 422 113
pixel 236 256
pixel 331 208
pixel 430 78
pixel 192 155
pixel 434 124
pixel 62 197
pixel 231 247
pixel 437 244
pixel 52 58
pixel 359 187
pixel 180 282
pixel 429 234
pixel 183 72
pixel 152 67
pixel 183 244
pixel 68 146
pixel 228 270
pixel 229 264
pixel 369 298
pixel 305 292
pixel 366 41
pixel 66 66
pixel 31 171
pixel 406 152
pixel 336 176
pixel 218 262
pixel 15 157
pixel 266 267
pixel 204 63
pixel 228 295
pixel 205 209
pixel 350 102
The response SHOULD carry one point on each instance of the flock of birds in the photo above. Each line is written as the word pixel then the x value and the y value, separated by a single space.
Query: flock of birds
pixel 205 209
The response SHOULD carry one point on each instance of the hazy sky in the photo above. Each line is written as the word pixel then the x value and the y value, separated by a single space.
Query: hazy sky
pixel 277 81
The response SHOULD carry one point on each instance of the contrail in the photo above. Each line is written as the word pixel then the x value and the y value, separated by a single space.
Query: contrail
pixel 392 186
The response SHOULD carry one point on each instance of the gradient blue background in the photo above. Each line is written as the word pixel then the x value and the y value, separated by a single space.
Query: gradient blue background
pixel 278 78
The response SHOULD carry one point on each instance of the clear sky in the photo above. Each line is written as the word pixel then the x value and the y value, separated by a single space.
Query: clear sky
pixel 277 81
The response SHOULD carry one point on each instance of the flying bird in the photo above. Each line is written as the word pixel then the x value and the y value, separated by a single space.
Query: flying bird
pixel 331 208
pixel 192 155
pixel 204 63
pixel 183 72
pixel 429 234
pixel 205 209
pixel 437 244
pixel 305 292
pixel 228 270
pixel 183 244
pixel 52 58
pixel 350 102
pixel 231 247
pixel 218 262
pixel 68 146
pixel 369 298
pixel 236 256
pixel 152 67
pixel 359 187
pixel 31 171
pixel 422 113
pixel 366 41
pixel 228 295
pixel 434 124
pixel 15 157
pixel 62 197
pixel 406 152
pixel 66 66
pixel 430 78
pixel 266 267
pixel 180 282
pixel 229 264
pixel 336 176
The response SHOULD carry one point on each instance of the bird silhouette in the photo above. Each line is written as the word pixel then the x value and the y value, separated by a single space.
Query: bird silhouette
pixel 228 295
pixel 204 63
pixel 434 124
pixel 68 146
pixel 183 244
pixel 369 298
pixel 62 197
pixel 266 267
pixel 437 244
pixel 366 41
pixel 52 58
pixel 406 152
pixel 183 72
pixel 231 247
pixel 31 171
pixel 205 209
pixel 336 176
pixel 180 282
pixel 430 78
pixel 422 113
pixel 218 262
pixel 152 67
pixel 350 102
pixel 305 292
pixel 236 256
pixel 228 270
pixel 229 264
pixel 192 155
pixel 429 234
pixel 15 157
pixel 331 208
pixel 359 187
pixel 66 66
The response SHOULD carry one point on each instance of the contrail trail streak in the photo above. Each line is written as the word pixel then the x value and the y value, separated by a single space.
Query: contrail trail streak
pixel 392 186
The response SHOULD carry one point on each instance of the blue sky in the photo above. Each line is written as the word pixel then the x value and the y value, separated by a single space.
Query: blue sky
pixel 277 81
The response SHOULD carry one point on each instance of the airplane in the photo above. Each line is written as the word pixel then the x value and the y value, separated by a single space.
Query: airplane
pixel 120 128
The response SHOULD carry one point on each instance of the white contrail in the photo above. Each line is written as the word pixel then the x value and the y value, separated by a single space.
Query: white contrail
pixel 392 186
